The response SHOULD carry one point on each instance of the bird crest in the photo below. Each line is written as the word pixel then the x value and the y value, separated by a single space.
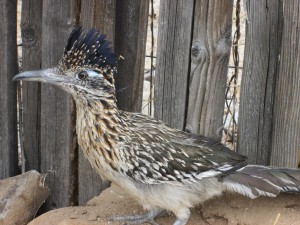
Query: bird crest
pixel 90 50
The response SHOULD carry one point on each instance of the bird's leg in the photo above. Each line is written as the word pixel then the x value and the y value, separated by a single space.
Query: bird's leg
pixel 182 220
pixel 147 217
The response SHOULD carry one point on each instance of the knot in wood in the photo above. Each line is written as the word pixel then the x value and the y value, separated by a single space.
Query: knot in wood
pixel 224 44
pixel 29 37
pixel 198 52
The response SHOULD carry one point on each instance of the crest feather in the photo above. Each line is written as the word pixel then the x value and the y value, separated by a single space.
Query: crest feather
pixel 90 49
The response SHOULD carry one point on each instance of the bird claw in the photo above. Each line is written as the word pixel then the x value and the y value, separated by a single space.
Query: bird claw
pixel 147 217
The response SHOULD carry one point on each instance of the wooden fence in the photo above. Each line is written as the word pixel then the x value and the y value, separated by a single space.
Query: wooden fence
pixel 194 44
pixel 8 113
pixel 49 114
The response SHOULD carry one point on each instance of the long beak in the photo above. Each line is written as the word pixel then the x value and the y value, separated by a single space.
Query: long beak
pixel 46 75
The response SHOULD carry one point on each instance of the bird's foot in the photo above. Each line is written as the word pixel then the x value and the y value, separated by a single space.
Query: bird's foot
pixel 180 221
pixel 147 217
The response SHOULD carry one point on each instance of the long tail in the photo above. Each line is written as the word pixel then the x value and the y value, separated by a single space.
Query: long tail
pixel 254 181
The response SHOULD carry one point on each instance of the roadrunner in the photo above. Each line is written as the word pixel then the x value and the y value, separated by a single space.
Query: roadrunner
pixel 162 167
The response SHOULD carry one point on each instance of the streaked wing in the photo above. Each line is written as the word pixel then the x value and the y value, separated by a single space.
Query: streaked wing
pixel 177 158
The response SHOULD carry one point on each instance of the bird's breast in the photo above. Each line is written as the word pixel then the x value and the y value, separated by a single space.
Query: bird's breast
pixel 97 140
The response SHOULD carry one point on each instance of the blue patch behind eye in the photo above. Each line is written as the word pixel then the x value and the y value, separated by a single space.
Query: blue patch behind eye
pixel 94 74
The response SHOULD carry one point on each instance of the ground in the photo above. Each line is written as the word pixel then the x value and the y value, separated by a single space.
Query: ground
pixel 226 210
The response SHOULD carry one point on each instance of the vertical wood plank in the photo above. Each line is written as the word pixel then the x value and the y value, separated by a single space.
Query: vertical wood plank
pixel 99 15
pixel 31 30
pixel 210 50
pixel 58 138
pixel 263 38
pixel 8 104
pixel 286 133
pixel 130 43
pixel 90 183
pixel 171 79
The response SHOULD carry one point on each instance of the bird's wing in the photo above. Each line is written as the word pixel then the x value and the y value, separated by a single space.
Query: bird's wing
pixel 209 154
pixel 179 160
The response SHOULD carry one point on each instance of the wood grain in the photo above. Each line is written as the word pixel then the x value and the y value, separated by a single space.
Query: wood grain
pixel 286 133
pixel 31 31
pixel 100 15
pixel 263 38
pixel 171 79
pixel 194 40
pixel 90 183
pixel 58 139
pixel 8 104
pixel 210 49
pixel 130 43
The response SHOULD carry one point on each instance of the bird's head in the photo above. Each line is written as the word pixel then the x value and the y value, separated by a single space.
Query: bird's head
pixel 86 69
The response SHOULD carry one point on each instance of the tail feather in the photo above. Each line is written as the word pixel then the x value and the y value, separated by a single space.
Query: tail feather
pixel 254 181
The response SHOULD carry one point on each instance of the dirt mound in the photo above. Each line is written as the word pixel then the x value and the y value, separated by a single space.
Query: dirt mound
pixel 226 210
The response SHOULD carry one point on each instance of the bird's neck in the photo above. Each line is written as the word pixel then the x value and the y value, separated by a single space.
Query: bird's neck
pixel 98 128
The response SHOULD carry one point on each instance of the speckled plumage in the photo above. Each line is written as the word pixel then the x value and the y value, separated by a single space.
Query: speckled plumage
pixel 162 167
pixel 89 50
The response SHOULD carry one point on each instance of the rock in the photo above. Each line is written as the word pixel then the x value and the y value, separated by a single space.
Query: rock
pixel 99 210
pixel 230 209
pixel 20 197
pixel 233 209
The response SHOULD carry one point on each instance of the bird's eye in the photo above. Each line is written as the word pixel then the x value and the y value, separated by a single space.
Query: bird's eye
pixel 82 75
